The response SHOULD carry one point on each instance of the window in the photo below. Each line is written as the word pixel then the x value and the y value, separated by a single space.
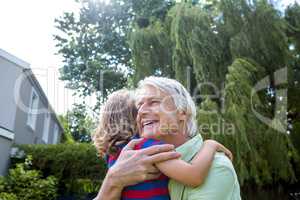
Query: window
pixel 33 108
pixel 46 128
pixel 55 134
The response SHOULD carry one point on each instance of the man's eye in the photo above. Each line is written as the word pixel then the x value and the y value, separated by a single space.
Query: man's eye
pixel 155 102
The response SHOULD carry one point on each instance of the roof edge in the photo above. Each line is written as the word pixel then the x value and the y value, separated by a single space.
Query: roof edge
pixel 14 59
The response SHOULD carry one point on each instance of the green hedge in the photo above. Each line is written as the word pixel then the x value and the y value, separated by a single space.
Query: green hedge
pixel 24 183
pixel 76 166
pixel 79 171
pixel 8 196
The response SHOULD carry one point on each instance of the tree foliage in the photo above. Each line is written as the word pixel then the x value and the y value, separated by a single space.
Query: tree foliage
pixel 78 125
pixel 220 48
pixel 231 46
pixel 95 46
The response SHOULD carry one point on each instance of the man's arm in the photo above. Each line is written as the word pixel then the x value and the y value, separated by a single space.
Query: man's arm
pixel 109 189
pixel 132 167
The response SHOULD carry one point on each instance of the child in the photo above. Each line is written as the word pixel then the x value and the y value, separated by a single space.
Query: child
pixel 118 126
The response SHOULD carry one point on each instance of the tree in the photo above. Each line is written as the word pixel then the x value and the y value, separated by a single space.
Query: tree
pixel 293 32
pixel 78 126
pixel 67 135
pixel 220 48
pixel 230 45
pixel 96 53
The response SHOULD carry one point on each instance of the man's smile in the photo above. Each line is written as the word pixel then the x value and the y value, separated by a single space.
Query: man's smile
pixel 149 125
pixel 148 122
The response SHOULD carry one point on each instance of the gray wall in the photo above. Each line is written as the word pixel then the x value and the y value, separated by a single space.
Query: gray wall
pixel 7 102
pixel 24 134
pixel 5 145
pixel 13 114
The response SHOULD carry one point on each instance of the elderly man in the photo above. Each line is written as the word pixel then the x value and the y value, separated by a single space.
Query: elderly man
pixel 165 104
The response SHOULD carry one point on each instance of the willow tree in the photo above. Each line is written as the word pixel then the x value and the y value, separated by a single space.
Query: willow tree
pixel 255 156
pixel 151 52
pixel 229 46
pixel 293 32
pixel 220 50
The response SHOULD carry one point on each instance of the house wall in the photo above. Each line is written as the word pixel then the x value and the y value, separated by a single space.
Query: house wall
pixel 24 133
pixel 7 110
pixel 6 140
pixel 15 95
pixel 7 102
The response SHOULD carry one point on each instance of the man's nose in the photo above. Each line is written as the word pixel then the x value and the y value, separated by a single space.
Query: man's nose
pixel 145 108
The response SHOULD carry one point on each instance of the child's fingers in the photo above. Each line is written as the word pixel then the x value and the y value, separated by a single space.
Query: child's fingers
pixel 226 151
pixel 228 154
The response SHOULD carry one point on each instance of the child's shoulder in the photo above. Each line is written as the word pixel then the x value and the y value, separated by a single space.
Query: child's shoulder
pixel 147 142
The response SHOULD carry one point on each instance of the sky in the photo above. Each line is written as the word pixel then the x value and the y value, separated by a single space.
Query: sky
pixel 27 29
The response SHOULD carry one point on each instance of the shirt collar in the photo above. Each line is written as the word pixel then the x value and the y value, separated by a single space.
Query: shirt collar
pixel 190 148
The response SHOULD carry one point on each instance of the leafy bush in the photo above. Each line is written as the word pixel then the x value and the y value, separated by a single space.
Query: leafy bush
pixel 26 184
pixel 7 196
pixel 76 166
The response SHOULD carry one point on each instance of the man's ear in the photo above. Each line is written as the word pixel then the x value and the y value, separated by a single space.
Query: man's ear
pixel 182 116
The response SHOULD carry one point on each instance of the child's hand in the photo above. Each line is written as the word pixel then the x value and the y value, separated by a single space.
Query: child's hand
pixel 219 147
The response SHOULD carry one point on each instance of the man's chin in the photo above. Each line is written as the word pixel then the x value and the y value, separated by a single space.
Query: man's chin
pixel 149 134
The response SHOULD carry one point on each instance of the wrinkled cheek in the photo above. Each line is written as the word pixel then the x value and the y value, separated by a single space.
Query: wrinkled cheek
pixel 168 124
pixel 150 131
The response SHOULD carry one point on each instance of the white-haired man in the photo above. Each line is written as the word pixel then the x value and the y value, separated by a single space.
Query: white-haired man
pixel 164 104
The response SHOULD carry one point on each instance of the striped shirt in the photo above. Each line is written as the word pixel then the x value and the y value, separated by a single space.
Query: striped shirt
pixel 156 189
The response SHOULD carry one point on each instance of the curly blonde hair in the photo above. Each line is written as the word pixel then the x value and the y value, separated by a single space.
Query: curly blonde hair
pixel 117 122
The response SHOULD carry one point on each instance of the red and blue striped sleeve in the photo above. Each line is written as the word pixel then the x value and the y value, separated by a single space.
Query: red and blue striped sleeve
pixel 111 159
pixel 146 142
pixel 156 189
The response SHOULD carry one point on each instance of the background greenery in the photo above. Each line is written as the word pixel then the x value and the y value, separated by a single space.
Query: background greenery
pixel 25 183
pixel 77 169
pixel 232 44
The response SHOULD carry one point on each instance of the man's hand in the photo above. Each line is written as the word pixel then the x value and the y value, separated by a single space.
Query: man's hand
pixel 134 166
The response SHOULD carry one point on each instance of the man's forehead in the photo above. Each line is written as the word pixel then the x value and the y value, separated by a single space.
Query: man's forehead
pixel 149 92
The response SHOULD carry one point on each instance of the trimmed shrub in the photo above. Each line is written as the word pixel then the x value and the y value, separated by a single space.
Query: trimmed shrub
pixel 8 196
pixel 76 166
pixel 26 184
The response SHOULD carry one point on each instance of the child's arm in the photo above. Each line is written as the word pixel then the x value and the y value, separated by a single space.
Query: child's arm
pixel 193 174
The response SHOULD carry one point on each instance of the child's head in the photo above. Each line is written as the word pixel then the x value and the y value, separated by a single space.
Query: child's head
pixel 117 123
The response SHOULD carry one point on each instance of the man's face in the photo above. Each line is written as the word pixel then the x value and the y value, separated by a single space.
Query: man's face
pixel 157 112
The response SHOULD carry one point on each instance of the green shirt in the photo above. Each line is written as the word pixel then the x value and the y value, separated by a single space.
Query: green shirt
pixel 220 184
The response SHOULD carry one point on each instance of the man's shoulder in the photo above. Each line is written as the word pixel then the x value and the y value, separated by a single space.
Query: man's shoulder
pixel 222 167
pixel 221 160
pixel 221 182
